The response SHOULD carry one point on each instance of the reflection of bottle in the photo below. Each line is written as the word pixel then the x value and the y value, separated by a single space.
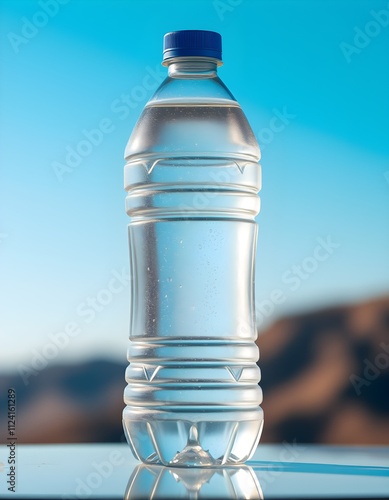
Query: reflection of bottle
pixel 192 179
pixel 213 483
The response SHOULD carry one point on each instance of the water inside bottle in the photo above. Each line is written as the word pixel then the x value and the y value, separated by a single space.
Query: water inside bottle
pixel 193 396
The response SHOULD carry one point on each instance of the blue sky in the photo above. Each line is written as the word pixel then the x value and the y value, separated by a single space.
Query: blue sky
pixel 321 65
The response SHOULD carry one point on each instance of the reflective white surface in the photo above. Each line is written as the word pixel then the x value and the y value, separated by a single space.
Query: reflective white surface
pixel 276 471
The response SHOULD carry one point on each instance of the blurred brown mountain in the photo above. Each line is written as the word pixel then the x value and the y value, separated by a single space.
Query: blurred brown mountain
pixel 325 377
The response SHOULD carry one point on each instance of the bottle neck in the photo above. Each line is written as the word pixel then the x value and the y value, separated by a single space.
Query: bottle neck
pixel 192 67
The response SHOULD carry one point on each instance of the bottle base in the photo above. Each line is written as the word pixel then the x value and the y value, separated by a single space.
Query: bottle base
pixel 193 439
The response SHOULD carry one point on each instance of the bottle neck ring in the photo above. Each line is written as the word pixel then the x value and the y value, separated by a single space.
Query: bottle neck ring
pixel 192 67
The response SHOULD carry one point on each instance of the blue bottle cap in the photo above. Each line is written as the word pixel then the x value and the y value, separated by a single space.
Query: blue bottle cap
pixel 198 43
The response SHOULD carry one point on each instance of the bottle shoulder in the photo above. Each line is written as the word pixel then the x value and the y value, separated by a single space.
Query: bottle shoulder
pixel 192 117
pixel 188 89
pixel 193 129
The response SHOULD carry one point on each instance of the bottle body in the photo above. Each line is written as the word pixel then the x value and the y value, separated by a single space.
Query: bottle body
pixel 192 178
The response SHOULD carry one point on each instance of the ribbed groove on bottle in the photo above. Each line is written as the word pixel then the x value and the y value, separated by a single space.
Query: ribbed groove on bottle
pixel 208 216
pixel 155 215
pixel 193 374
pixel 185 361
pixel 194 341
pixel 192 410
pixel 150 160
pixel 217 395
pixel 180 187
pixel 175 385
pixel 193 354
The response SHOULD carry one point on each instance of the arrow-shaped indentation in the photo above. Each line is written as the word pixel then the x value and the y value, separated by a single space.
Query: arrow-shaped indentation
pixel 150 371
pixel 236 373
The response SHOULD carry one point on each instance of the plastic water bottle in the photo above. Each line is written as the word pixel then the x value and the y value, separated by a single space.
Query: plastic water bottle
pixel 192 179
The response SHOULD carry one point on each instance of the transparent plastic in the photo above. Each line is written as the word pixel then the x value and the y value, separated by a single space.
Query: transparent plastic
pixel 192 179
pixel 227 483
